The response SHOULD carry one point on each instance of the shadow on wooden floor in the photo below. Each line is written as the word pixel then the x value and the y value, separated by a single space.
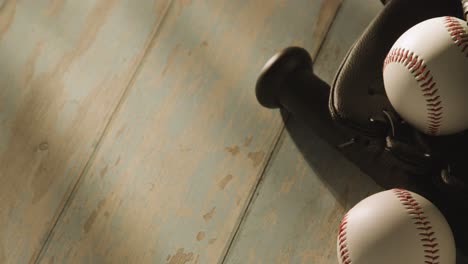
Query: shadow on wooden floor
pixel 345 181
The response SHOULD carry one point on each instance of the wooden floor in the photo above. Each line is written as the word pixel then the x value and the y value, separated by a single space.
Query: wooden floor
pixel 130 132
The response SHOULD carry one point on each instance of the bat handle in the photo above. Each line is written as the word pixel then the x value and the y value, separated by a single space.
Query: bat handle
pixel 287 81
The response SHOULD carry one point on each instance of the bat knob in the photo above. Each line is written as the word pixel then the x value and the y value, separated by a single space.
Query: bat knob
pixel 287 81
pixel 278 74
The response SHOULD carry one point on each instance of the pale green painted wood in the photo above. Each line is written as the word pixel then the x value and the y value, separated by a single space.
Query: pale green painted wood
pixel 308 185
pixel 172 177
pixel 64 67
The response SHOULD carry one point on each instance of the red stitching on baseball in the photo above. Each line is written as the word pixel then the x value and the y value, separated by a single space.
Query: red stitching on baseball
pixel 343 246
pixel 433 99
pixel 434 104
pixel 423 76
pixel 427 236
pixel 430 91
pixel 431 115
pixel 457 33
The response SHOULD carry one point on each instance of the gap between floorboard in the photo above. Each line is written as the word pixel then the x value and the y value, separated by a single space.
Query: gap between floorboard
pixel 153 36
pixel 274 150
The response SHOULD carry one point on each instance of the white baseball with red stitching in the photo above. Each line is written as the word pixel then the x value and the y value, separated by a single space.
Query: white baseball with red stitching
pixel 426 76
pixel 395 227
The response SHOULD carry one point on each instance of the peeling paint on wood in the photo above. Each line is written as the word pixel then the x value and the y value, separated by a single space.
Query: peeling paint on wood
pixel 200 236
pixel 103 171
pixel 209 215
pixel 89 223
pixel 234 150
pixel 180 257
pixel 63 76
pixel 248 141
pixel 256 157
pixel 192 97
pixel 225 181
pixel 30 65
pixel 307 186
pixel 287 184
pixel 170 59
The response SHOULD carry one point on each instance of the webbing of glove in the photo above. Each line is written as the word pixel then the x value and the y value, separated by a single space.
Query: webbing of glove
pixel 409 146
pixel 411 158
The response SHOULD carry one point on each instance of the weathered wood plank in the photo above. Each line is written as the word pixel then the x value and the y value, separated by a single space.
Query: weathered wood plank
pixel 64 68
pixel 181 159
pixel 307 186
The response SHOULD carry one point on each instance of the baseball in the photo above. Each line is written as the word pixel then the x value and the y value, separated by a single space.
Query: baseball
pixel 395 226
pixel 425 76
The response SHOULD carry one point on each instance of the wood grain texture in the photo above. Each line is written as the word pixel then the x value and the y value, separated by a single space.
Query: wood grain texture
pixel 308 185
pixel 174 174
pixel 65 66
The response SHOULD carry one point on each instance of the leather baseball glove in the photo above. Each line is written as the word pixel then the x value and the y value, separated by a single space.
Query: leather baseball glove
pixel 355 116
